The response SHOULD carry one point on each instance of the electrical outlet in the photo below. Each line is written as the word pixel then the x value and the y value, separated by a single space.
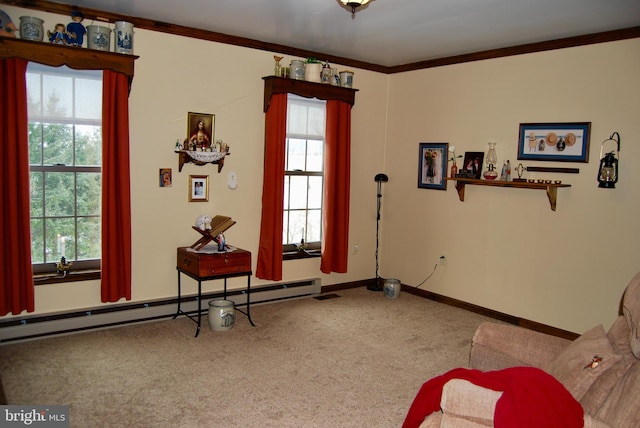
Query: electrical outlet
pixel 356 248
pixel 443 260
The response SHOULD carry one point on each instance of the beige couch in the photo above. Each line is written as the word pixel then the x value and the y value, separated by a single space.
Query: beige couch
pixel 608 390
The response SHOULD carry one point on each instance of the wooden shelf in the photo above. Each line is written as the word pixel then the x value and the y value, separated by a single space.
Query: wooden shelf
pixel 322 91
pixel 550 188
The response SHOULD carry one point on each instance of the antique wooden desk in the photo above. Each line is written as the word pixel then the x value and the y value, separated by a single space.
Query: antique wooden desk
pixel 206 267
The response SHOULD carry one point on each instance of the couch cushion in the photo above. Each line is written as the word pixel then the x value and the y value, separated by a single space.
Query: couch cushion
pixel 570 366
pixel 631 311
pixel 622 407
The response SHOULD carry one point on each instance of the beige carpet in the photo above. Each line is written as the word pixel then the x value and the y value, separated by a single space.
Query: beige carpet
pixel 352 361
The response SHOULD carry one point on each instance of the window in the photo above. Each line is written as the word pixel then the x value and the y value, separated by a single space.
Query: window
pixel 303 181
pixel 65 153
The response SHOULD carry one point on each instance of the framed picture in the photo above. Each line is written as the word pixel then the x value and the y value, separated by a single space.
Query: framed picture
pixel 472 164
pixel 560 142
pixel 165 177
pixel 200 129
pixel 432 166
pixel 198 188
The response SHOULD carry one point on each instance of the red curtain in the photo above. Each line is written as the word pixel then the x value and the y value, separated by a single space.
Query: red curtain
pixel 270 247
pixel 337 178
pixel 116 193
pixel 16 286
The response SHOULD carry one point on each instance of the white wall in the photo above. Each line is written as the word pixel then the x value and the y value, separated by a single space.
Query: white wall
pixel 176 75
pixel 506 249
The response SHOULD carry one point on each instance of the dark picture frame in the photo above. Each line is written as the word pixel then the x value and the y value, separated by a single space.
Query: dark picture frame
pixel 556 142
pixel 200 137
pixel 472 164
pixel 165 177
pixel 198 188
pixel 432 165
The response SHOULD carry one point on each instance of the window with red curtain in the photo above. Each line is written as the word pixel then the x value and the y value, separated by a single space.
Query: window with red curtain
pixel 335 215
pixel 16 288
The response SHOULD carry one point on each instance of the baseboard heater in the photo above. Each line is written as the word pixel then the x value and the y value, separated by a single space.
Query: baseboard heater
pixel 26 328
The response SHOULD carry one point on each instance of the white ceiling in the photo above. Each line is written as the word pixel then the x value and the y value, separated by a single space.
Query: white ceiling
pixel 387 32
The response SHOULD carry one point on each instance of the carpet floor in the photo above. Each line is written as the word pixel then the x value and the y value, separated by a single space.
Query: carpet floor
pixel 355 360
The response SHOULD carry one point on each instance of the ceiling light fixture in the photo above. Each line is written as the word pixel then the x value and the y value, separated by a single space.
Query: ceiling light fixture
pixel 354 4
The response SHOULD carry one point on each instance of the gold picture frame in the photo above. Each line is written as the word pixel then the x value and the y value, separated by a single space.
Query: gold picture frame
pixel 198 188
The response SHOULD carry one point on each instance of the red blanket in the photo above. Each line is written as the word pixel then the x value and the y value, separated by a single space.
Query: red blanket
pixel 531 398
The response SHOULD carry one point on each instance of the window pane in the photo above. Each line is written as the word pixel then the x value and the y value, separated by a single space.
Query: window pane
pixel 316 120
pixel 286 192
pixel 60 242
pixel 57 144
pixel 88 99
pixel 89 238
pixel 57 95
pixel 315 155
pixel 296 154
pixel 314 226
pixel 88 194
pixel 59 193
pixel 298 192
pixel 37 241
pixel 297 120
pixel 297 223
pixel 35 143
pixel 36 193
pixel 88 145
pixel 315 192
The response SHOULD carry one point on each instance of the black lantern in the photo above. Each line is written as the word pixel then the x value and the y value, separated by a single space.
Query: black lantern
pixel 608 170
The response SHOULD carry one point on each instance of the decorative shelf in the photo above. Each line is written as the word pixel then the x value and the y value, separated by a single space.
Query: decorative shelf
pixel 201 158
pixel 322 91
pixel 551 188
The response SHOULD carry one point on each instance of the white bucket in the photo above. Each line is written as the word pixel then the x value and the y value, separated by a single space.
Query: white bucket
pixel 31 28
pixel 123 37
pixel 391 288
pixel 313 72
pixel 222 315
pixel 98 37
pixel 346 79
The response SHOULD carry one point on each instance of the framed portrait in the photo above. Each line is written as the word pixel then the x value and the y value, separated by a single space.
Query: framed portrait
pixel 165 177
pixel 560 142
pixel 432 166
pixel 472 164
pixel 198 188
pixel 200 130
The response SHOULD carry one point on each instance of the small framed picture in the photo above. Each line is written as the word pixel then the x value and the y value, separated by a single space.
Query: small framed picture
pixel 472 164
pixel 198 188
pixel 561 142
pixel 200 129
pixel 432 166
pixel 165 177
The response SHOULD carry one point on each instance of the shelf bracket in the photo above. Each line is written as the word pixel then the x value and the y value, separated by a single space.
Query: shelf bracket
pixel 552 194
pixel 460 187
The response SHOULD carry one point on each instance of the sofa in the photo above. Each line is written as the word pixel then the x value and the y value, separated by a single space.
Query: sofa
pixel 601 370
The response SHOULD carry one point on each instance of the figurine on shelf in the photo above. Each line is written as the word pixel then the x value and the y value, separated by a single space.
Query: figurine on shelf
pixel 58 36
pixel 221 242
pixel 7 27
pixel 178 145
pixel 75 29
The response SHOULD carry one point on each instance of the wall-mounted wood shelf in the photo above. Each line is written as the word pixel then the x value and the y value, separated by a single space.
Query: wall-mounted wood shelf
pixel 550 188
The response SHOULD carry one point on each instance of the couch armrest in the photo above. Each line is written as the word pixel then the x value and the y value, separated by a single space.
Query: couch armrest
pixel 498 346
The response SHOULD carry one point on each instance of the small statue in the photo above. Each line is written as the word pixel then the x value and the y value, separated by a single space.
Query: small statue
pixel 58 36
pixel 75 29
pixel 7 27
pixel 63 266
